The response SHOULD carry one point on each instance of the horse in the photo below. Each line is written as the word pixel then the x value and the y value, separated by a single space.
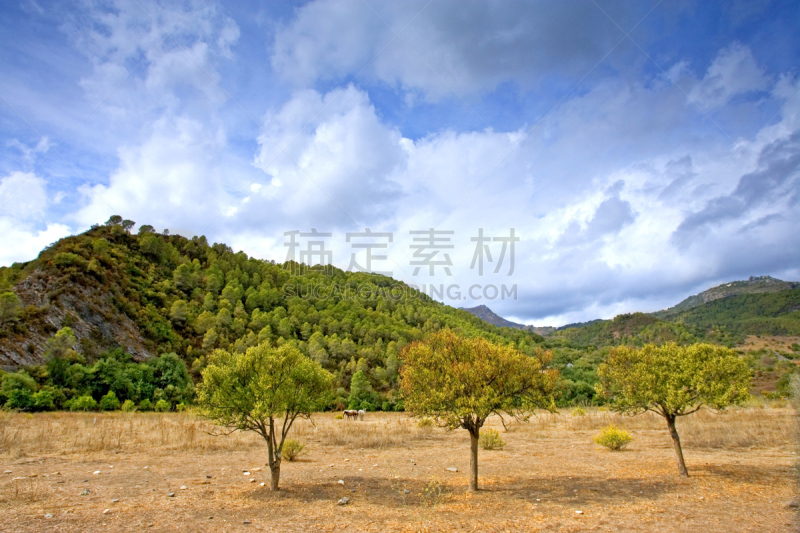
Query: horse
pixel 361 414
pixel 351 414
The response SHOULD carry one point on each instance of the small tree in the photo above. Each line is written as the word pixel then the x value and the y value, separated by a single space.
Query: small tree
pixel 263 390
pixel 673 381
pixel 461 382
pixel 10 307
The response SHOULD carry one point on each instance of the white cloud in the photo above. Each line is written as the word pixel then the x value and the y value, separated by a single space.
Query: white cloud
pixel 733 72
pixel 23 203
pixel 176 179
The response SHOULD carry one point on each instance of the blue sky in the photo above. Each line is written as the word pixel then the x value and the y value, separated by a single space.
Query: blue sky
pixel 641 151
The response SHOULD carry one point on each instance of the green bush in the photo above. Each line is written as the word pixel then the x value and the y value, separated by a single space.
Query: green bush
pixel 162 406
pixel 181 407
pixel 20 400
pixel 490 440
pixel 109 402
pixel 578 411
pixel 43 401
pixel 145 405
pixel 128 406
pixel 82 403
pixel 425 423
pixel 292 449
pixel 613 438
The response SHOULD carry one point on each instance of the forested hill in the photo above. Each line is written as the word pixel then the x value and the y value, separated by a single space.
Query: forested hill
pixel 153 293
pixel 767 307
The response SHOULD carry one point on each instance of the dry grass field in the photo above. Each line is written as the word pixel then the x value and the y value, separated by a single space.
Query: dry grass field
pixel 95 472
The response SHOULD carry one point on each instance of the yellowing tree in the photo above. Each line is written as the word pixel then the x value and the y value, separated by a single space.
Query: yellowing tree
pixel 263 390
pixel 461 382
pixel 673 381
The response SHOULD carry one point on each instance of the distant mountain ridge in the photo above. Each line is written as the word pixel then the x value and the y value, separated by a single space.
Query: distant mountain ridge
pixel 753 285
pixel 486 314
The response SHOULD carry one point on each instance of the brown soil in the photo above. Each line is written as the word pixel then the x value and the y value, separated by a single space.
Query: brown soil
pixel 549 477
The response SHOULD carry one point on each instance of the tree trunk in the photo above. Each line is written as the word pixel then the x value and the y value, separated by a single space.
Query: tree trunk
pixel 275 475
pixel 676 442
pixel 473 461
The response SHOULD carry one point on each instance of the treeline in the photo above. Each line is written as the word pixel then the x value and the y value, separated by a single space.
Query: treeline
pixel 112 382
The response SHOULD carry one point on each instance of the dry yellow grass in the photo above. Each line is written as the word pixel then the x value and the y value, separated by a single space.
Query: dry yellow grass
pixel 742 465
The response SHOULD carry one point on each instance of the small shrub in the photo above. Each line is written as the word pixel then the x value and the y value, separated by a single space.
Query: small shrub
pixel 181 407
pixel 425 423
pixel 292 449
pixel 338 416
pixel 145 405
pixel 433 492
pixel 109 402
pixel 579 411
pixel 128 406
pixel 43 401
pixel 490 440
pixel 613 438
pixel 82 403
pixel 162 406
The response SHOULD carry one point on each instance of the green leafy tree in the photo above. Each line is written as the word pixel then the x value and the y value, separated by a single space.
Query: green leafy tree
pixel 114 220
pixel 109 402
pixel 673 381
pixel 147 228
pixel 361 393
pixel 82 403
pixel 43 400
pixel 10 307
pixel 263 390
pixel 461 382
pixel 127 225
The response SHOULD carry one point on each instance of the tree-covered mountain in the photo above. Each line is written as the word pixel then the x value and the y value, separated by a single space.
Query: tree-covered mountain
pixel 754 285
pixel 152 293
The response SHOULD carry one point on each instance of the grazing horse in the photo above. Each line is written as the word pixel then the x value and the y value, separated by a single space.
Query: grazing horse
pixel 351 414
pixel 361 414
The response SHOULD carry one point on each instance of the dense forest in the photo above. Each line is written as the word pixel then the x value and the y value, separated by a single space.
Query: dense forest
pixel 187 298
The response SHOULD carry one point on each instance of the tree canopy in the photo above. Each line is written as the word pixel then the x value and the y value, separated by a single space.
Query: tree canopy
pixel 673 381
pixel 462 381
pixel 263 390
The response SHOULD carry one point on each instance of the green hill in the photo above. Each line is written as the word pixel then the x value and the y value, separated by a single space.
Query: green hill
pixel 754 285
pixel 157 293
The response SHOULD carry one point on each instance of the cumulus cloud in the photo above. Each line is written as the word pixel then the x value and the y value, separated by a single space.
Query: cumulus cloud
pixel 23 204
pixel 177 179
pixel 330 155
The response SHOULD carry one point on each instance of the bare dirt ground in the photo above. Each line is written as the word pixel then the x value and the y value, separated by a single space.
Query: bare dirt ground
pixel 549 477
